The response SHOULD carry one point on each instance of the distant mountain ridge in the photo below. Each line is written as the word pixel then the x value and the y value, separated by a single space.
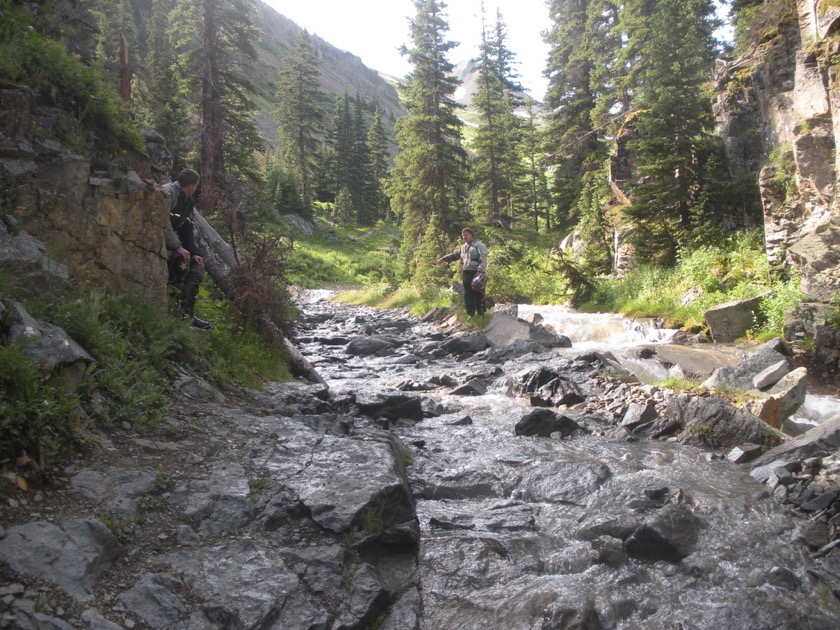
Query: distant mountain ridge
pixel 341 72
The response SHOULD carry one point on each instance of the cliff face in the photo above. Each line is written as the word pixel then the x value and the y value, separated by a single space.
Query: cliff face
pixel 107 232
pixel 781 100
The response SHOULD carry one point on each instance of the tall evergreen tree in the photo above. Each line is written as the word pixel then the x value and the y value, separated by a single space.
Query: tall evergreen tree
pixel 428 175
pixel 212 39
pixel 496 167
pixel 341 145
pixel 300 112
pixel 163 97
pixel 580 46
pixel 675 44
pixel 532 191
pixel 377 144
pixel 361 179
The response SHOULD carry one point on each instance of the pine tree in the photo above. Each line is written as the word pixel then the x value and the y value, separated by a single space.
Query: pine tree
pixel 212 38
pixel 162 94
pixel 428 175
pixel 496 167
pixel 300 113
pixel 580 52
pixel 377 144
pixel 361 178
pixel 532 190
pixel 675 53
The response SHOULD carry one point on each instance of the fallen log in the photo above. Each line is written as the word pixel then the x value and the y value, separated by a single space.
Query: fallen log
pixel 219 260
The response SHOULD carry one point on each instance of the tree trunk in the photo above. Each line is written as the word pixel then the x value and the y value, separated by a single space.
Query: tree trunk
pixel 219 259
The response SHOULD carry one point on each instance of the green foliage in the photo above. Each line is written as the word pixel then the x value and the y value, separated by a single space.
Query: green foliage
pixel 680 384
pixel 344 256
pixel 37 415
pixel 777 305
pixel 703 277
pixel 136 347
pixel 65 81
pixel 133 344
pixel 832 316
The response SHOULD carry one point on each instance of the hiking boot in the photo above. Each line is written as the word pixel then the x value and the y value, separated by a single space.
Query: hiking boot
pixel 200 323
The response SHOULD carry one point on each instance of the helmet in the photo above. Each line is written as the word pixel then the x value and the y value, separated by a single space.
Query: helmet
pixel 479 281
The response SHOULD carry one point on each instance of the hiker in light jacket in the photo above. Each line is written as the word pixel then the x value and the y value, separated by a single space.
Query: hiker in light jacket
pixel 473 256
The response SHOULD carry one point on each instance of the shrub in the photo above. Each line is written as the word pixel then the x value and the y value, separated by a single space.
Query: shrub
pixel 36 416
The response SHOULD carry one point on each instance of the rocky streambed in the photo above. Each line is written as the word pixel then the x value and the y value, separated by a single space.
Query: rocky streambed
pixel 439 479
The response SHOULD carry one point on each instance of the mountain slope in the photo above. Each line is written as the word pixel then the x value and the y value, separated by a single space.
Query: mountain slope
pixel 341 72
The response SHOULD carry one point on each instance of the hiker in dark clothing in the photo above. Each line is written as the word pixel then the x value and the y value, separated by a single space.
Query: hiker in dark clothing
pixel 185 264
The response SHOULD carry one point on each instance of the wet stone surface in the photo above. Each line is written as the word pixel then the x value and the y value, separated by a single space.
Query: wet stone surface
pixel 439 481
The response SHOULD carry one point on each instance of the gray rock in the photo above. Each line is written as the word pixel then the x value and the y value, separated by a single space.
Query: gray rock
pixel 71 555
pixel 744 453
pixel 771 375
pixel 544 422
pixel 246 584
pixel 639 413
pixel 405 613
pixel 547 388
pixel 154 599
pixel 219 503
pixel 714 423
pixel 741 375
pixel 393 406
pixel 118 488
pixel 344 479
pixel 370 345
pixel 25 258
pixel 670 535
pixel 463 344
pixel 731 321
pixel 96 621
pixel 822 438
pixel 47 346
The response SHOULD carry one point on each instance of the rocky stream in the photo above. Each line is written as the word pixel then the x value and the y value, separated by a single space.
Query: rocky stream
pixel 440 478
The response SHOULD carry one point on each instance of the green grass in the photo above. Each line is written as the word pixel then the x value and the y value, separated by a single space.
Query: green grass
pixel 706 277
pixel 136 348
pixel 342 257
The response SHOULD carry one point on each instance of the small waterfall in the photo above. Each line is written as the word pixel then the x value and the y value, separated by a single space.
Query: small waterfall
pixel 614 333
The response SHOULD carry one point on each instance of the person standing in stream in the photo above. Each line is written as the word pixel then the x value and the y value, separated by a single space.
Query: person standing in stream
pixel 473 256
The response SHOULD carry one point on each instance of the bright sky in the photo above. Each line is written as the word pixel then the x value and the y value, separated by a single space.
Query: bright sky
pixel 375 29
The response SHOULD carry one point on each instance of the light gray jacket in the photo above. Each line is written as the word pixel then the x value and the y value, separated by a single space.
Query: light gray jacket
pixel 473 256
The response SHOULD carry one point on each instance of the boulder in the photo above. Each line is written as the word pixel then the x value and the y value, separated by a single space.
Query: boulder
pixel 371 345
pixel 547 388
pixel 714 423
pixel 771 375
pixel 741 375
pixel 669 535
pixel 48 346
pixel 782 400
pixel 731 321
pixel 72 554
pixel 544 422
pixel 824 438
pixel 504 329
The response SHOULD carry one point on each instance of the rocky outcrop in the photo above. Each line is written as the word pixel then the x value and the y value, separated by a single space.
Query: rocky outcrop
pixel 106 228
pixel 780 98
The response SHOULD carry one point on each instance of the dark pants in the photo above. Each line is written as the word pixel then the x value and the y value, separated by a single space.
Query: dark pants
pixel 473 300
pixel 186 278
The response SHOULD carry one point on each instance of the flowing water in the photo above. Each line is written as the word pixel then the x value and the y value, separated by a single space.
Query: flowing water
pixel 525 532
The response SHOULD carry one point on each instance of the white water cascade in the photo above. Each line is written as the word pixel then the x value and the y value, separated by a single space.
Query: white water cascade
pixel 614 333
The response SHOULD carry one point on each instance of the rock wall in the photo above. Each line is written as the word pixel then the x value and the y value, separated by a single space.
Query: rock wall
pixel 781 100
pixel 107 230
